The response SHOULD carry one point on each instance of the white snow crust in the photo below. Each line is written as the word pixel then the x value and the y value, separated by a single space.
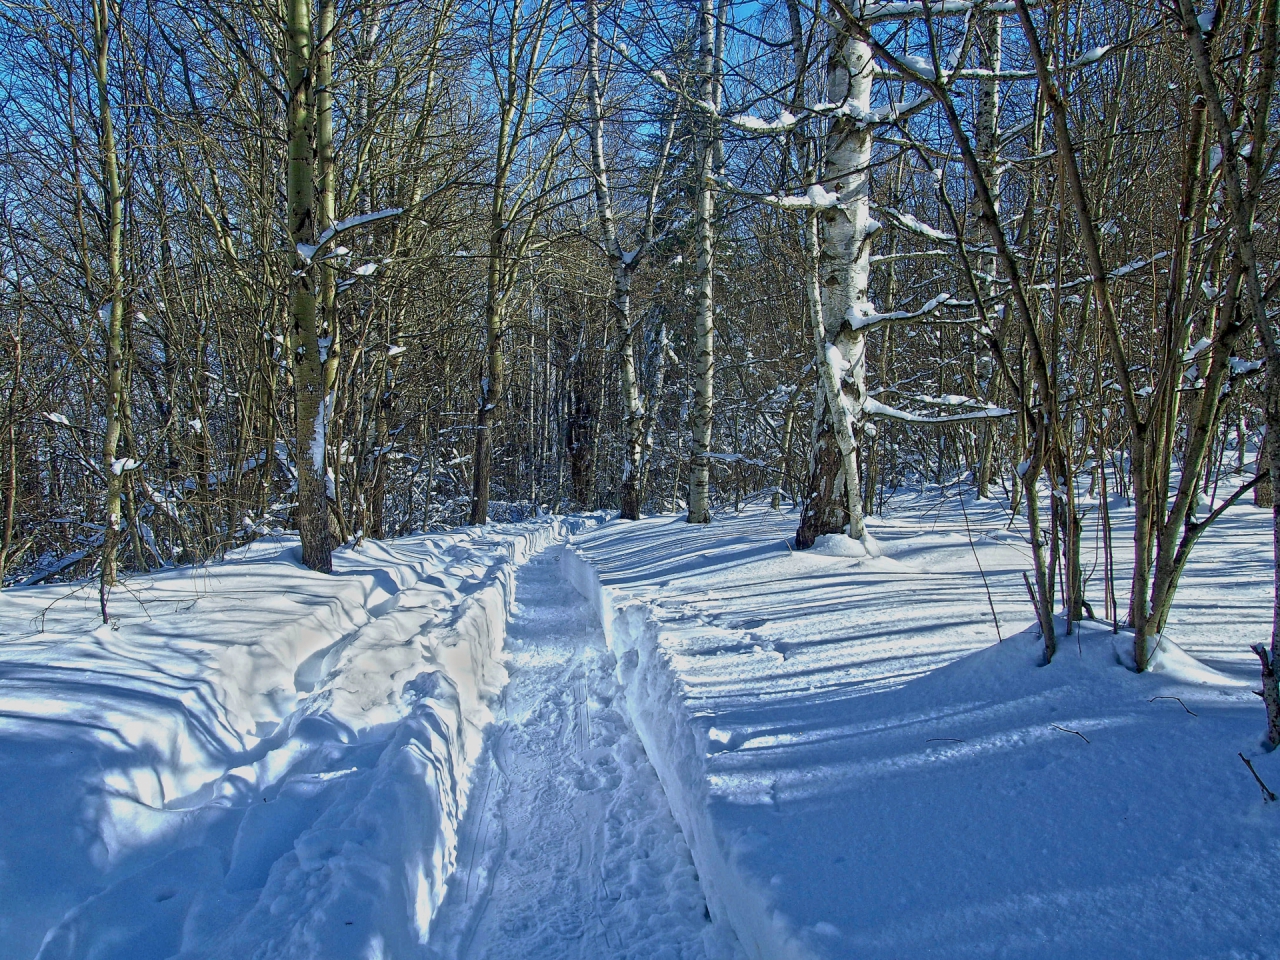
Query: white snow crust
pixel 479 746
pixel 251 760
pixel 862 770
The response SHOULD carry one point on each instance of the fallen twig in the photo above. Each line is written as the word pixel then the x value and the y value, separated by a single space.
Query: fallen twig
pixel 943 739
pixel 1031 592
pixel 1267 795
pixel 1065 730
pixel 1179 699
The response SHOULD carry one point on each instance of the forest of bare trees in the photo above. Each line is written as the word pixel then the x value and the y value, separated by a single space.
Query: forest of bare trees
pixel 361 267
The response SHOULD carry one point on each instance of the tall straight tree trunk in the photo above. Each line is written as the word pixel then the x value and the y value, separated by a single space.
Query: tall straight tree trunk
pixel 987 142
pixel 310 407
pixel 11 464
pixel 838 298
pixel 328 330
pixel 704 324
pixel 580 416
pixel 621 264
pixel 630 495
pixel 113 311
pixel 327 194
pixel 493 385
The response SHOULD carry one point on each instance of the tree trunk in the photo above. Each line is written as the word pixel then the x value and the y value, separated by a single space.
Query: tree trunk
pixel 621 264
pixel 11 465
pixel 838 297
pixel 633 419
pixel 310 404
pixel 327 192
pixel 491 390
pixel 1263 493
pixel 987 143
pixel 704 324
pixel 1269 688
pixel 825 508
pixel 113 311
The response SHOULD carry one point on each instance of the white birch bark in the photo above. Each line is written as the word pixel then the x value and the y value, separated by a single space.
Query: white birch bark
pixel 622 264
pixel 704 323
pixel 838 292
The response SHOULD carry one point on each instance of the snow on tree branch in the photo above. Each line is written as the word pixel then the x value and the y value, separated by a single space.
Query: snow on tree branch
pixel 870 321
pixel 977 410
pixel 913 225
pixel 308 251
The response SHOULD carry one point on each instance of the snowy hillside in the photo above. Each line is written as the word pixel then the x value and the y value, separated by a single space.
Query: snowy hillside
pixel 570 738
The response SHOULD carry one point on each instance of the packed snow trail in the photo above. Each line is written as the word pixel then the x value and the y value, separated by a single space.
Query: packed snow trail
pixel 253 759
pixel 568 849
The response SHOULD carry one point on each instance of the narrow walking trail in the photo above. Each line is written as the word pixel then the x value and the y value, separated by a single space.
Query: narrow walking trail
pixel 568 849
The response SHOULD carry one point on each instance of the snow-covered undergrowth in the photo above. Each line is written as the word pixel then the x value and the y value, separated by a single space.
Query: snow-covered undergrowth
pixel 862 770
pixel 251 759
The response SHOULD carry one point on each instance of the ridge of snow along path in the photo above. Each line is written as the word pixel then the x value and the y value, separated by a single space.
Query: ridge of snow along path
pixel 863 771
pixel 255 761
pixel 252 760
pixel 568 850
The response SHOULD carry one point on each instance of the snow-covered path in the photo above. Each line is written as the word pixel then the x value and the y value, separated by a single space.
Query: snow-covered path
pixel 568 848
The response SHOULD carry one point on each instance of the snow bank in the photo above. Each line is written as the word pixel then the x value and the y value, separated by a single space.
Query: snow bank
pixel 252 759
pixel 862 770
pixel 676 740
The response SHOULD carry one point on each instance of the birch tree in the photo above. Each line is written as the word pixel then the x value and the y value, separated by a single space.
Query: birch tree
pixel 840 240
pixel 709 33
pixel 623 263
pixel 308 352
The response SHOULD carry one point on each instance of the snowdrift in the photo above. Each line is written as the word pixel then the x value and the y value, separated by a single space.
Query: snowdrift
pixel 862 770
pixel 252 759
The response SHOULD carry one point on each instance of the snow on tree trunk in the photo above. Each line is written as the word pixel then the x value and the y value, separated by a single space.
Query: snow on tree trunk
pixel 310 408
pixel 838 298
pixel 621 264
pixel 704 324
pixel 113 312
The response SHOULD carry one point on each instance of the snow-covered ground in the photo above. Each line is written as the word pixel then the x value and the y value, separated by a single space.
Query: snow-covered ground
pixel 252 759
pixel 864 771
pixel 657 741
pixel 569 849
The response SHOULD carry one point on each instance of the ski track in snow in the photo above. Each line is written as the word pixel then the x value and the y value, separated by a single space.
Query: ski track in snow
pixel 568 849
pixel 255 762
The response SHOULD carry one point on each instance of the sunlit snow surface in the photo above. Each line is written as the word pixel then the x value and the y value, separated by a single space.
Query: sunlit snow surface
pixel 256 761
pixel 862 773
pixel 251 759
pixel 568 850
